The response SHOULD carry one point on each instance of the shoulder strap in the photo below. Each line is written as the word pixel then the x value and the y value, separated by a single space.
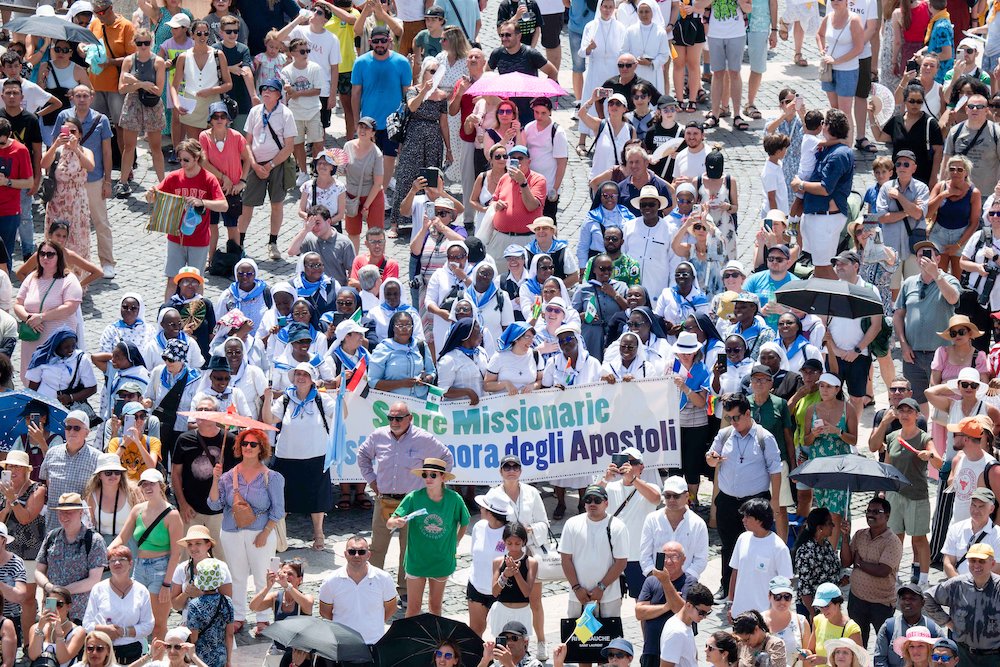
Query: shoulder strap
pixel 621 507
pixel 322 412
pixel 88 541
pixel 97 121
pixel 150 527
pixel 979 538
pixel 314 194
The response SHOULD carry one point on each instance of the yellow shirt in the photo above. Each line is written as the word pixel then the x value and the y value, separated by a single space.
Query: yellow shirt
pixel 825 631
pixel 345 33
pixel 131 459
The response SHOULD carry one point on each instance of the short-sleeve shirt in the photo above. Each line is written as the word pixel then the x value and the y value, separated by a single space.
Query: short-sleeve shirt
pixel 196 459
pixel 238 54
pixel 324 50
pixel 344 32
pixel 431 45
pixel 432 538
pixel 360 606
pixel 677 643
pixel 909 463
pixel 382 83
pixel 62 473
pixel 230 159
pixel 593 551
pixel 120 36
pixel 306 107
pixel 983 151
pixel 68 562
pixel 525 60
pixel 24 127
pixel 885 549
pixel 926 311
pixel 262 143
pixel 652 592
pixel 825 631
pixel 12 572
pixel 211 626
pixel 131 459
pixel 94 142
pixel 204 185
pixel 835 170
pixel 775 417
pixel 516 217
pixel 15 163
pixel 337 253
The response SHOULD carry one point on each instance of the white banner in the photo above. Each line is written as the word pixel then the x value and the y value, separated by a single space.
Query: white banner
pixel 555 433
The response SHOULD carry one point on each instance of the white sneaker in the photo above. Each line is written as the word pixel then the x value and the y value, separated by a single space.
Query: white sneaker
pixel 541 651
pixel 109 271
pixel 301 179
pixel 273 252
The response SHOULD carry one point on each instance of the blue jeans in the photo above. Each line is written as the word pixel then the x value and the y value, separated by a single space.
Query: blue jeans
pixel 8 232
pixel 26 230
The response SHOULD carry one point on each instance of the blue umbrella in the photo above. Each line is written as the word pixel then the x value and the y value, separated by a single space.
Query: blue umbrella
pixel 849 472
pixel 13 422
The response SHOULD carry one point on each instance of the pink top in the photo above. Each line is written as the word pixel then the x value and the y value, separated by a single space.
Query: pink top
pixel 65 290
pixel 229 160
pixel 950 371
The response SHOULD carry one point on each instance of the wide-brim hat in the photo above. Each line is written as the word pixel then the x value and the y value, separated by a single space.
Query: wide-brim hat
pixel 197 532
pixel 960 321
pixel 434 465
pixel 17 458
pixel 189 272
pixel 108 463
pixel 650 192
pixel 687 343
pixel 861 654
pixel 542 222
pixel 916 634
pixel 495 502
pixel 968 374
pixel 69 501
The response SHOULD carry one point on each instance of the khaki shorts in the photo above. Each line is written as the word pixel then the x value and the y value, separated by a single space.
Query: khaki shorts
pixel 910 268
pixel 309 131
pixel 912 517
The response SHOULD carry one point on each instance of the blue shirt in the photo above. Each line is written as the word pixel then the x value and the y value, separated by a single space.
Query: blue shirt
pixel 393 361
pixel 94 142
pixel 579 16
pixel 835 170
pixel 942 35
pixel 764 286
pixel 267 498
pixel 382 83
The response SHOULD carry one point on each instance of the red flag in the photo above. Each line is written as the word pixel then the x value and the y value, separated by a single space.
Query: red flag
pixel 358 378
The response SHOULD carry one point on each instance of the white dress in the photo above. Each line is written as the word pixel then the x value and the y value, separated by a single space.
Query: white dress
pixel 651 41
pixel 602 62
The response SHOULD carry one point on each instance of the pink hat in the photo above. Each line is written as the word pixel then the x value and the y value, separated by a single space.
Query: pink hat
pixel 917 633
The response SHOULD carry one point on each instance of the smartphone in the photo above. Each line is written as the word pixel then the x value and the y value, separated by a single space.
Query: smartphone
pixel 5 477
pixel 926 252
pixel 768 225
pixel 128 423
pixel 818 423
pixel 430 175
pixel 661 559
pixel 50 604
pixel 603 93
pixel 64 130
pixel 275 564
pixel 962 101
pixel 501 641
pixel 119 404
pixel 35 418
pixel 912 66
pixel 619 460
pixel 429 209
pixel 514 162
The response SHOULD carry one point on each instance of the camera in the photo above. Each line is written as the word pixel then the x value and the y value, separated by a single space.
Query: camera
pixel 416 282
pixel 992 271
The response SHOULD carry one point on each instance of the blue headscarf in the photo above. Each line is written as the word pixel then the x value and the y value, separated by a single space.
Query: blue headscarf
pixel 46 352
pixel 514 331
pixel 456 336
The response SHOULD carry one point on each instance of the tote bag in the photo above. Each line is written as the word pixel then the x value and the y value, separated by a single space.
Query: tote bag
pixel 167 214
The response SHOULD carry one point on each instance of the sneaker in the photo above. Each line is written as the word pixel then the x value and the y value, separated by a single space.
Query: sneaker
pixel 122 190
pixel 172 156
pixel 273 252
pixel 301 179
pixel 109 271
pixel 541 651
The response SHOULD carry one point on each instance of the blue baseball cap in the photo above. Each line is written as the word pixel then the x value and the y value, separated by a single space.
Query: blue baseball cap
pixel 273 84
pixel 519 149
pixel 618 644
pixel 944 642
pixel 825 594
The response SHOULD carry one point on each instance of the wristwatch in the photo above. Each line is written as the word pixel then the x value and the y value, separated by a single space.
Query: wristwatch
pixel 857 349
pixel 602 586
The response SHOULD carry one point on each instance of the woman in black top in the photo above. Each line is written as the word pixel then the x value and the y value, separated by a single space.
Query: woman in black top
pixel 513 576
pixel 915 130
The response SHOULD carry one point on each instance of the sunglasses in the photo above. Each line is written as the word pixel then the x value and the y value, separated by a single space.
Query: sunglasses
pixel 222 116
pixel 733 350
pixel 379 40
pixel 117 561
pixel 976 106
pixel 357 552
pixel 786 597
pixel 955 333
pixel 942 658
pixel 246 274
pixel 627 346
pixel 251 444
pixel 447 655
pixel 994 214
pixel 731 274
pixel 968 385
pixel 343 302
pixel 956 170
pixel 304 52
pixel 201 33
pixel 555 310
pixel 617 655
pixel 506 111
pixel 897 390
pixel 566 340
pixel 143 42
pixel 62 49
pixel 626 65
pixel 47 254
pixel 648 204
pixel 593 500
pixel 500 156
pixel 609 195
pixel 397 418
pixel 429 475
pixel 703 613
pixel 673 496
pixel 700 228
pixel 685 200
pixel 506 34
pixel 776 258
pixel 111 473
pixel 314 265
pixel 914 101
pixel 231 32
pixel 97 648
pixel 187 160
pixel 511 466
pixel 174 647
pixel 74 427
pixel 903 163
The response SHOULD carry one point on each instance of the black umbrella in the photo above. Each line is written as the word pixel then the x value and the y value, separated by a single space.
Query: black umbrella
pixel 52 26
pixel 821 296
pixel 411 642
pixel 312 633
pixel 849 472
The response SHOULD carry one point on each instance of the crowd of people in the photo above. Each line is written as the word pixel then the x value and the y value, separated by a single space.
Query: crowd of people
pixel 127 497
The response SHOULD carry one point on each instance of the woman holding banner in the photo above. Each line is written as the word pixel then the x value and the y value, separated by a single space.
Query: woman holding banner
pixel 573 365
pixel 527 509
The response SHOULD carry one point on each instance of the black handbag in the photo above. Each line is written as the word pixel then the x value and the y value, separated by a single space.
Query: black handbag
pixel 397 123
pixel 147 98
pixel 47 188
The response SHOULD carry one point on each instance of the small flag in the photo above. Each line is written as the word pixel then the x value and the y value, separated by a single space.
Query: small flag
pixel 359 379
pixel 673 52
pixel 570 372
pixel 591 311
pixel 711 405
pixel 587 625
pixel 536 309
pixel 678 367
pixel 434 396
pixel 356 317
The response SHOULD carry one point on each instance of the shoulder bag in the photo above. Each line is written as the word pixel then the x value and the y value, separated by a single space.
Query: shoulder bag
pixel 289 164
pixel 47 188
pixel 24 330
pixel 397 123
pixel 76 385
pixel 243 513
pixel 826 70
pixel 546 552
pixel 231 106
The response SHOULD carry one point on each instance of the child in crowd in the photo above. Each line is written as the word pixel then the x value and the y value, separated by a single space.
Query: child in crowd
pixel 772 177
pixel 812 124
pixel 882 169
pixel 940 39
pixel 303 83
pixel 268 65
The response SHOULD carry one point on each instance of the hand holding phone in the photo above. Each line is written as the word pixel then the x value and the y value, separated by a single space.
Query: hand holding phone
pixel 661 559
pixel 275 564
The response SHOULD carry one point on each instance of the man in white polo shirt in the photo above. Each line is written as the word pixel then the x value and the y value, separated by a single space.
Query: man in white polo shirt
pixel 360 595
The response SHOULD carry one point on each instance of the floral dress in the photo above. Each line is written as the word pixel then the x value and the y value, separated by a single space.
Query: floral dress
pixel 708 268
pixel 70 202
pixel 888 62
pixel 423 148
pixel 829 444
pixel 722 220
pixel 815 563
pixel 451 76
pixel 790 164
pixel 879 275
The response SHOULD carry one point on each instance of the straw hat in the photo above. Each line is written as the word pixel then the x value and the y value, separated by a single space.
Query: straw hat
pixel 434 465
pixel 861 654
pixel 650 192
pixel 17 458
pixel 960 321
pixel 196 532
pixel 69 501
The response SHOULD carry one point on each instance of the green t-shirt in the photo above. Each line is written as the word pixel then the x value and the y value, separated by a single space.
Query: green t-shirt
pixel 909 463
pixel 800 417
pixel 430 45
pixel 775 417
pixel 432 539
pixel 625 269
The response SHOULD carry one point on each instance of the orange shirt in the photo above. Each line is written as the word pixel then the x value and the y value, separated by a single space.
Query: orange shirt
pixel 119 35
pixel 516 218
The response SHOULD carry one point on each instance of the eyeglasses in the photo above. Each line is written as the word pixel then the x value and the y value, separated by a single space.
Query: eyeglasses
pixel 776 258
pixel 117 561
pixel 593 500
pixel 968 385
pixel 956 170
pixel 47 254
pixel 617 655
pixel 201 33
pixel 604 268
pixel 397 418
pixel 903 163
pixel 379 40
pixel 731 274
pixel 404 325
pixel 97 648
pixel 637 325
pixel 231 32
pixel 627 346
pixel 129 308
pixel 429 475
pixel 785 597
pixel 111 473
pixel 506 111
pixel 511 466
pixel 304 52
pixel 626 65
pixel 357 552
pixel 73 427
pixel 252 444
pixel 313 265
pixel 673 496
pixel 447 655
pixel 638 96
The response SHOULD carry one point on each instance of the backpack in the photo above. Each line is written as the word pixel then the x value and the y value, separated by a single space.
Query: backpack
pixel 319 406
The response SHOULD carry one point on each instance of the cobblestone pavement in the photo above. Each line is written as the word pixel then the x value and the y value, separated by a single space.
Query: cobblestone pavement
pixel 140 257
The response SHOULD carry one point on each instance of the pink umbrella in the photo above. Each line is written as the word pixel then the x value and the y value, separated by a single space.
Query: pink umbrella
pixel 516 84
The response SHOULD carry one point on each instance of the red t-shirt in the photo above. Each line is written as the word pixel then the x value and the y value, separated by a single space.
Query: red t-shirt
pixel 15 163
pixel 516 218
pixel 390 269
pixel 203 186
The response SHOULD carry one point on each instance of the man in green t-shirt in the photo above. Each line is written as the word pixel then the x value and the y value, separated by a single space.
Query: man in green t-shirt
pixel 772 413
pixel 625 268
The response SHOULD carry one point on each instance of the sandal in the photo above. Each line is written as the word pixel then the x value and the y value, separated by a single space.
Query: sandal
pixel 701 97
pixel 391 233
pixel 752 112
pixel 800 61
pixel 740 123
pixel 711 120
pixel 692 107
pixel 344 504
pixel 319 544
pixel 724 112
pixel 783 30
pixel 865 146
pixel 581 150
pixel 363 502
pixel 870 400
pixel 706 77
